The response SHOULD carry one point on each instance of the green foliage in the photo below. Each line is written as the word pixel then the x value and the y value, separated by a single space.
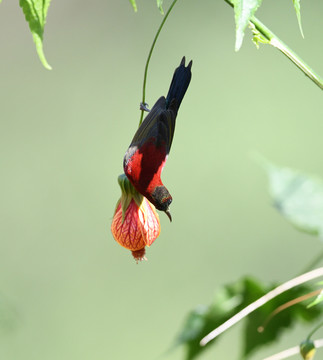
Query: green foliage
pixel 134 5
pixel 318 300
pixel 35 12
pixel 204 318
pixel 275 325
pixel 244 10
pixel 257 38
pixel 232 298
pixel 159 5
pixel 297 6
pixel 297 196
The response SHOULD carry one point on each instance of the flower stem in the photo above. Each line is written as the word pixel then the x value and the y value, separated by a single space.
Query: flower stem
pixel 149 56
pixel 286 50
pixel 314 330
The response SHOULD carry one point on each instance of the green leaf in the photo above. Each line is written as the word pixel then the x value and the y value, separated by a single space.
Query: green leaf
pixel 317 300
pixel 134 5
pixel 35 13
pixel 204 319
pixel 297 6
pixel 244 10
pixel 297 196
pixel 263 327
pixel 160 6
pixel 232 298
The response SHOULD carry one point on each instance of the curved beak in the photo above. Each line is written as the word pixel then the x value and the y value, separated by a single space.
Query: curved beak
pixel 168 214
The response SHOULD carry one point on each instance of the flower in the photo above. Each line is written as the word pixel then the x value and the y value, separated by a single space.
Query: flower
pixel 135 223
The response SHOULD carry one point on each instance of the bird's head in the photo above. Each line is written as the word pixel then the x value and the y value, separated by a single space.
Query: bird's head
pixel 162 199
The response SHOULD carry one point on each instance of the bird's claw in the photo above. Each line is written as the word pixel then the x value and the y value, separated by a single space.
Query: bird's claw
pixel 144 107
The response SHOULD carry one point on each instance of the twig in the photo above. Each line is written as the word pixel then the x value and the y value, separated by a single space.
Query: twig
pixel 274 40
pixel 286 306
pixel 292 351
pixel 261 301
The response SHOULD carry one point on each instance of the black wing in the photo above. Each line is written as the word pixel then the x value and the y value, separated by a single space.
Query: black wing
pixel 159 125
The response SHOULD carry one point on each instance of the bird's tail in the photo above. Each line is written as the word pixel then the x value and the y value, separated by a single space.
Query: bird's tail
pixel 181 80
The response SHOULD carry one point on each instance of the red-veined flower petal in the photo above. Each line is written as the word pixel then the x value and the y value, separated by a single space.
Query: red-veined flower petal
pixel 135 223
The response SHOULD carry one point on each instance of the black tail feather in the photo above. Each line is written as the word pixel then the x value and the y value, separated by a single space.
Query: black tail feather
pixel 181 80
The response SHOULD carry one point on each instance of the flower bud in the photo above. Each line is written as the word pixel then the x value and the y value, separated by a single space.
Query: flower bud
pixel 307 349
pixel 135 223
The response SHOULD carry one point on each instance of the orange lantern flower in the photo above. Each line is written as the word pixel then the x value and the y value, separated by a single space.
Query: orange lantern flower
pixel 135 223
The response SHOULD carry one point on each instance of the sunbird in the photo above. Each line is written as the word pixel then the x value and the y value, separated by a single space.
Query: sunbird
pixel 149 148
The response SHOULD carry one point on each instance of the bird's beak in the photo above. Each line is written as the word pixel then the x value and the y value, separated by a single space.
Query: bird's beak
pixel 168 214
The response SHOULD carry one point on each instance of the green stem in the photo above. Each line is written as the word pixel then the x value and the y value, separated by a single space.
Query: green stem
pixel 280 45
pixel 314 330
pixel 149 56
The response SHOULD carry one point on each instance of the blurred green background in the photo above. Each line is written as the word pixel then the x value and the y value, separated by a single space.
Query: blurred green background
pixel 69 291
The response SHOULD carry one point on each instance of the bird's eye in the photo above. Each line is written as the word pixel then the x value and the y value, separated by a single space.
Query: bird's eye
pixel 167 200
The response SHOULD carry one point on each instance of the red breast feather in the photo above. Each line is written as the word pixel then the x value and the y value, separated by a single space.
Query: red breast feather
pixel 143 168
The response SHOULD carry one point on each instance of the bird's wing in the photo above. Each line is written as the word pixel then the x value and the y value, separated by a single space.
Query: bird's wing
pixel 158 126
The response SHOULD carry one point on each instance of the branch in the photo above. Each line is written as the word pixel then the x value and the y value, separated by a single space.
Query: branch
pixel 287 51
pixel 292 351
pixel 261 301
pixel 274 40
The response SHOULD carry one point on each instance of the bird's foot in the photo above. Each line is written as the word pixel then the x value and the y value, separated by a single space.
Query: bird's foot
pixel 144 107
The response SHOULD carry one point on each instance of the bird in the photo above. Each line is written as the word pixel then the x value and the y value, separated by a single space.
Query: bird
pixel 147 154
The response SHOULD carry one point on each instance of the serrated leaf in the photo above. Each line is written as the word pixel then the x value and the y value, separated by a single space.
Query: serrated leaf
pixel 298 197
pixel 160 6
pixel 134 5
pixel 35 13
pixel 232 298
pixel 244 10
pixel 317 300
pixel 297 6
